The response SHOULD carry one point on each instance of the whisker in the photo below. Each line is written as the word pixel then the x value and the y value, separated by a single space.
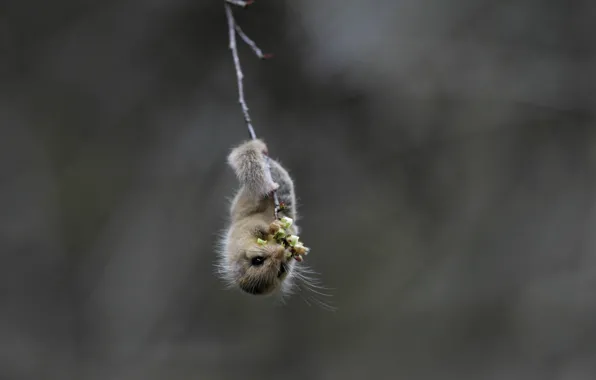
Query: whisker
pixel 310 288
pixel 305 300
pixel 324 305
pixel 312 282
pixel 319 293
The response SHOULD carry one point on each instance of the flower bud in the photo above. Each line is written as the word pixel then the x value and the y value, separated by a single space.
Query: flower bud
pixel 292 240
pixel 286 222
pixel 300 249
pixel 280 234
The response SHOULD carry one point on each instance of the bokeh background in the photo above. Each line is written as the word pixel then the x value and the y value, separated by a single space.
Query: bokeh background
pixel 443 152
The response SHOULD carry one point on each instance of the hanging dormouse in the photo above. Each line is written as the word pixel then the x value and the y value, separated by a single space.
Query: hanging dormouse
pixel 260 251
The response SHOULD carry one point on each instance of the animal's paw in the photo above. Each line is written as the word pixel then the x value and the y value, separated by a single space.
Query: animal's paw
pixel 273 186
pixel 274 227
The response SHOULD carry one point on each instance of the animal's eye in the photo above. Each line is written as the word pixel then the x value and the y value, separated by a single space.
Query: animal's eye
pixel 257 260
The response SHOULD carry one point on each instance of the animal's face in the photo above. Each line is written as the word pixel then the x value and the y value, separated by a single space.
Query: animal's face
pixel 262 269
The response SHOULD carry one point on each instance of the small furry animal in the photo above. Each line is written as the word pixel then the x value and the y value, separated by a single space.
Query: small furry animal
pixel 257 269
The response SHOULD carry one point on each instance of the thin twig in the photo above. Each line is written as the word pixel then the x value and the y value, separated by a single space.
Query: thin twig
pixel 247 40
pixel 233 28
pixel 240 3
pixel 239 75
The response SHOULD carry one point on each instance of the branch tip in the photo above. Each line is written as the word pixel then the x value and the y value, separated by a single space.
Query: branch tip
pixel 240 3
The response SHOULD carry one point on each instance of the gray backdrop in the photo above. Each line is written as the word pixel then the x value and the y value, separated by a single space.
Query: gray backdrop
pixel 443 153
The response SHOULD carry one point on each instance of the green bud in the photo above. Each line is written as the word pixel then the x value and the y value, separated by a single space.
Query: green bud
pixel 280 234
pixel 292 240
pixel 286 222
pixel 261 241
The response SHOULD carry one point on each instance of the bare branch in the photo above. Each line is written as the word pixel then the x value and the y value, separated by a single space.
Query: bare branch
pixel 247 40
pixel 239 75
pixel 233 28
pixel 240 3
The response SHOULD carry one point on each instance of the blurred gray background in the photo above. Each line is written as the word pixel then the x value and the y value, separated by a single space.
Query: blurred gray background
pixel 443 152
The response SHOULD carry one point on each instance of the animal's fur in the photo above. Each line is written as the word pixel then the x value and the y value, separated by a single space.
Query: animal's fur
pixel 251 214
